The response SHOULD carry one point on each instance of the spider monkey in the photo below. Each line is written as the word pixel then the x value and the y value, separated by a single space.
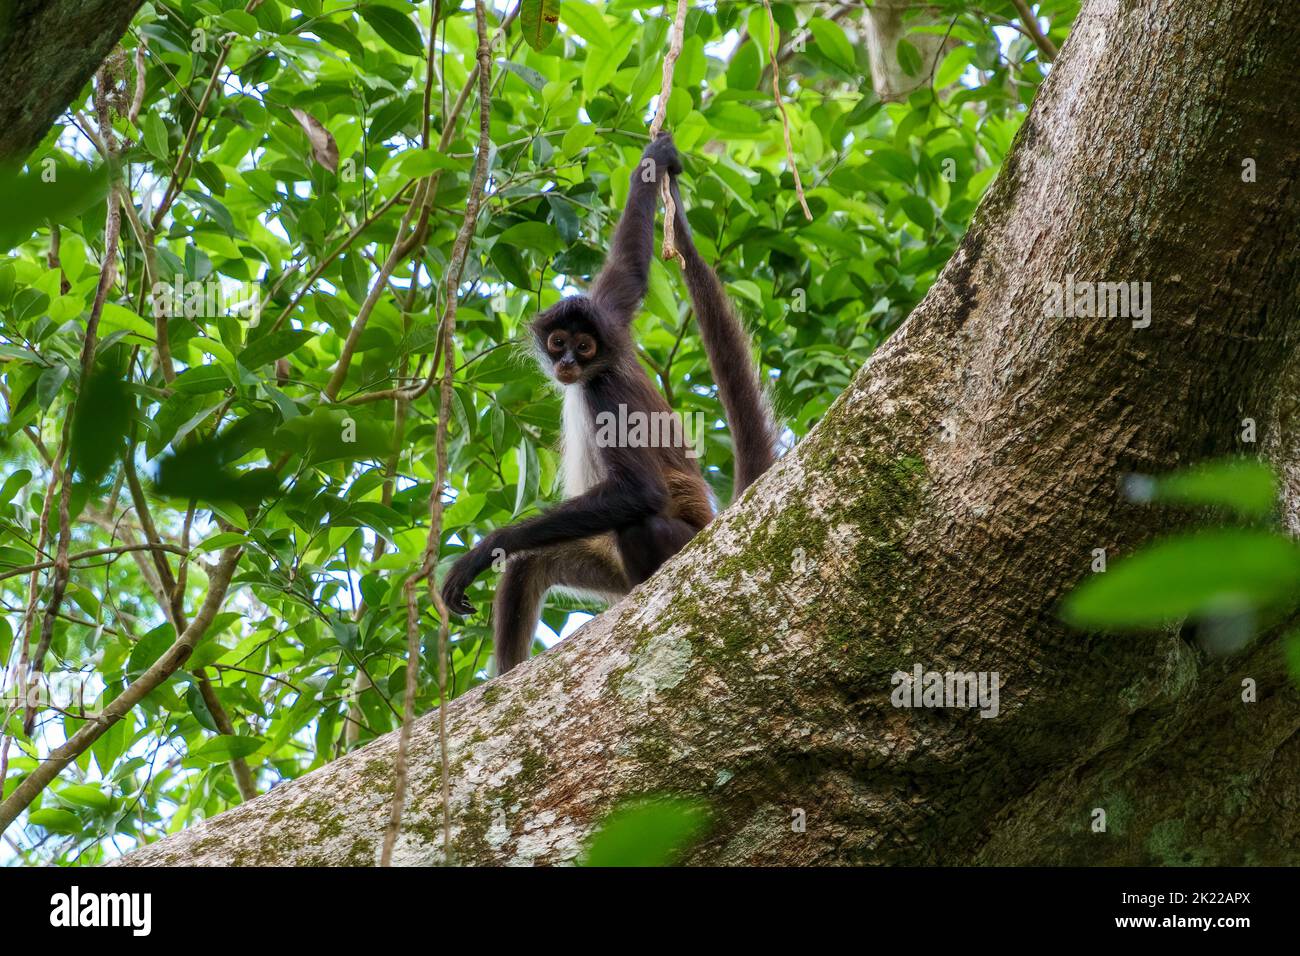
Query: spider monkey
pixel 628 509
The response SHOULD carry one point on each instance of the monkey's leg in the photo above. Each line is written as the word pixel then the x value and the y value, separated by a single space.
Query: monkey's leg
pixel 647 545
pixel 588 566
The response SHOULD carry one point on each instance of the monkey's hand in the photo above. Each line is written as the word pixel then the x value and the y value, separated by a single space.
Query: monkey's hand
pixel 664 153
pixel 462 575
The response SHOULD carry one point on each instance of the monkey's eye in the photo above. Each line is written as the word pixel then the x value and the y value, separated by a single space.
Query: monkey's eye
pixel 556 342
pixel 586 346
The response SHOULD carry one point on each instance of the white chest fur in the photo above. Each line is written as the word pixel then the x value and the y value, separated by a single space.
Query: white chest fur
pixel 582 464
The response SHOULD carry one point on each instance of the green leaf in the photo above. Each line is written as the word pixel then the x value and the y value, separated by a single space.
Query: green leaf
pixel 919 211
pixel 576 139
pixel 647 833
pixel 909 58
pixel 148 649
pixel 227 747
pixel 178 415
pixel 511 264
pixel 536 236
pixel 539 19
pixel 56 821
pixel 216 209
pixel 736 119
pixel 525 73
pixel 745 68
pixel 526 489
pixel 589 23
pixel 464 510
pixel 1207 572
pixel 273 346
pixel 13 484
pixel 116 318
pixel 1247 487
pixel 418 163
pixel 85 795
pixel 394 28
pixel 603 62
pixel 221 540
pixel 240 22
pixel 340 35
pixel 155 136
pixel 832 42
pixel 199 708
pixel 379 518
pixel 954 65
pixel 564 216
pixel 14 557
pixel 201 379
pixel 346 633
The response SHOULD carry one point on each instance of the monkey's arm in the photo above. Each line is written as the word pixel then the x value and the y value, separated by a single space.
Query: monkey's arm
pixel 621 500
pixel 749 416
pixel 622 283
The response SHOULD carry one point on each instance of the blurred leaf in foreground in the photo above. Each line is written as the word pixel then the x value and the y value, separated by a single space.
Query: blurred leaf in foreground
pixel 1219 572
pixel 646 833
pixel 204 471
pixel 1244 485
pixel 52 193
pixel 100 423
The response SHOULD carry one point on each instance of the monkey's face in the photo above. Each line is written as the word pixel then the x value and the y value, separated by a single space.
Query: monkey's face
pixel 572 353
pixel 569 344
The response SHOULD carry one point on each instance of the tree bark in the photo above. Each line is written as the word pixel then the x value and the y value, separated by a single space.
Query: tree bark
pixel 947 502
pixel 49 49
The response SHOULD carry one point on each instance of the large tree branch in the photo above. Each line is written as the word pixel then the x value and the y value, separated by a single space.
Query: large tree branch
pixel 950 497
pixel 48 50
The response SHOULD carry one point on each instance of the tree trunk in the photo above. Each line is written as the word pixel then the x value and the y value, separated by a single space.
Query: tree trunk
pixel 49 49
pixel 936 516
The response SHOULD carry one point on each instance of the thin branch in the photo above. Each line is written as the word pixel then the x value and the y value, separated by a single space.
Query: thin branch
pixel 95 553
pixel 661 113
pixel 1045 46
pixel 773 33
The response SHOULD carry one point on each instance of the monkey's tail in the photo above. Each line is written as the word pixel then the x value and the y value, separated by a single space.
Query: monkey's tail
pixel 754 433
